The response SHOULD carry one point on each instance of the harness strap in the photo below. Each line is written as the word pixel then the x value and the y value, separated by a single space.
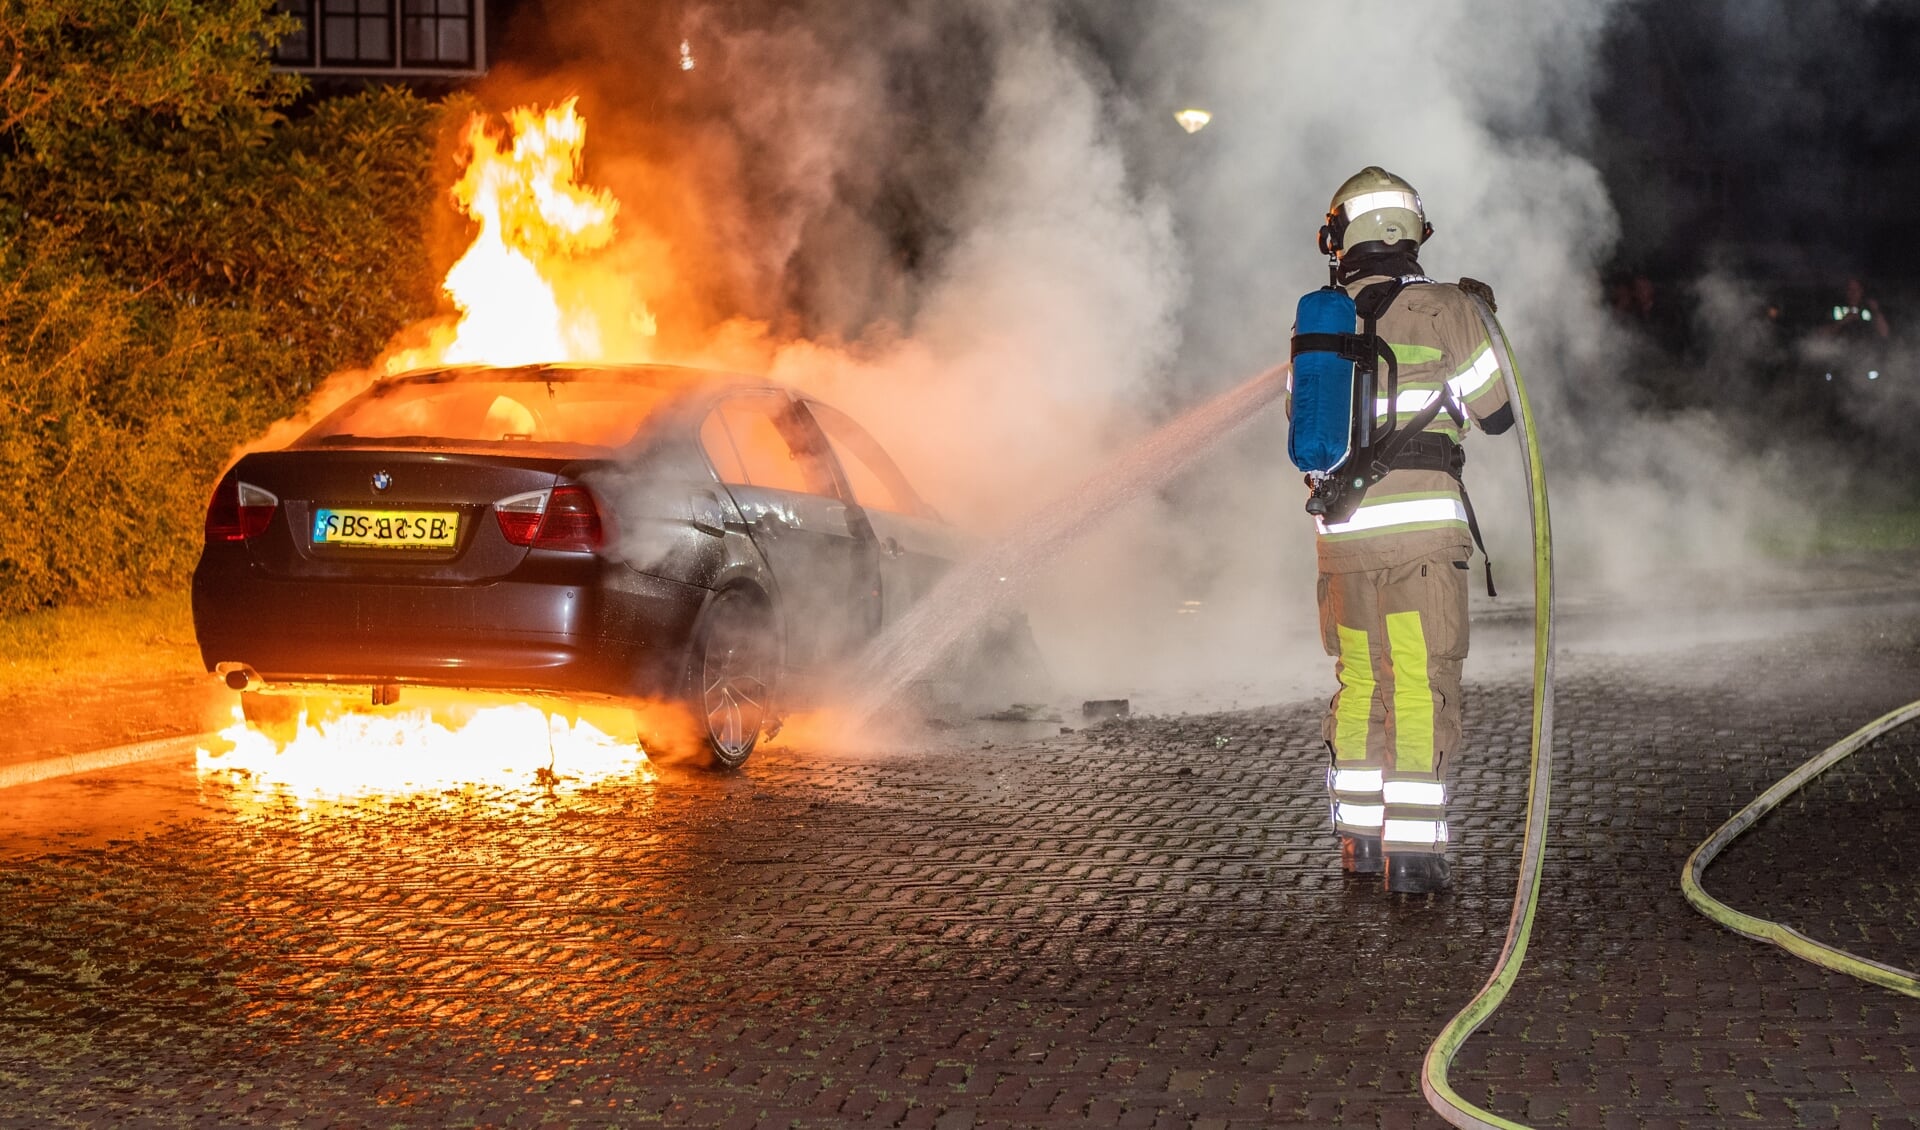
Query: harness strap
pixel 1438 453
pixel 1473 527
pixel 1350 347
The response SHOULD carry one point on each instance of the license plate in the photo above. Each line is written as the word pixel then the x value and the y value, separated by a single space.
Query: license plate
pixel 386 529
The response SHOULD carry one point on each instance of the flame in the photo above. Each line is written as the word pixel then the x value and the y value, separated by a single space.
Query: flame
pixel 537 224
pixel 334 750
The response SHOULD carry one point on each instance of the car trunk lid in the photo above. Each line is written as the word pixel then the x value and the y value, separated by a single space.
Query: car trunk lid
pixel 421 515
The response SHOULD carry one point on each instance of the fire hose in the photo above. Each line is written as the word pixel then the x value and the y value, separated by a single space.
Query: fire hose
pixel 1433 1076
pixel 1433 1080
pixel 1780 934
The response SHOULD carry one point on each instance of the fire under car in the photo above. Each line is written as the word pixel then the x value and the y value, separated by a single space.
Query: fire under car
pixel 634 532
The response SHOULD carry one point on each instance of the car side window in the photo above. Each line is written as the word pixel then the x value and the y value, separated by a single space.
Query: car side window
pixel 771 450
pixel 718 444
pixel 877 483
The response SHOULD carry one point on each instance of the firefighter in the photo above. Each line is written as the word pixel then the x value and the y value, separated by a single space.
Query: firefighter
pixel 1393 575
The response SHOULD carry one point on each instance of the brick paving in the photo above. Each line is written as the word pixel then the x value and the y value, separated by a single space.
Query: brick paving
pixel 1140 924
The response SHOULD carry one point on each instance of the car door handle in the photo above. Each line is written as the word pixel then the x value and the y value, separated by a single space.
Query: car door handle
pixel 892 546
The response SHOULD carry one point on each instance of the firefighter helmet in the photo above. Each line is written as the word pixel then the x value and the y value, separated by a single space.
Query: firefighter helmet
pixel 1373 206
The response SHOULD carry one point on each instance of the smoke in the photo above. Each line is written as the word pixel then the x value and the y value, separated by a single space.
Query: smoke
pixel 978 228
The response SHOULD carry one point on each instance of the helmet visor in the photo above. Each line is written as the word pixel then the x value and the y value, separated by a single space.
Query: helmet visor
pixel 1374 201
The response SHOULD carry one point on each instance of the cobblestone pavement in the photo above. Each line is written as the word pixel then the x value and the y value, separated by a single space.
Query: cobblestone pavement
pixel 1140 924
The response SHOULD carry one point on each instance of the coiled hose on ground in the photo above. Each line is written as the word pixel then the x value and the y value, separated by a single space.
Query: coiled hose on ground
pixel 1780 934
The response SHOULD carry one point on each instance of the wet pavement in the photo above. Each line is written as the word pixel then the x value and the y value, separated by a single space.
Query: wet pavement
pixel 1138 924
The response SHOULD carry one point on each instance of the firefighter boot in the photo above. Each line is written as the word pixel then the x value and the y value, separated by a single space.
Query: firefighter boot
pixel 1416 873
pixel 1360 855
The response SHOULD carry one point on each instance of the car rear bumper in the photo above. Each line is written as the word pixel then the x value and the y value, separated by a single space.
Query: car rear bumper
pixel 505 635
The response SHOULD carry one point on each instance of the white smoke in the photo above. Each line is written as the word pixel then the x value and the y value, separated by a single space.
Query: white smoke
pixel 979 229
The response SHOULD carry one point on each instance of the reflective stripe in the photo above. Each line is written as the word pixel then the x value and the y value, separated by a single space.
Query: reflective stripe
pixel 1430 793
pixel 1370 201
pixel 1357 780
pixel 1353 706
pixel 1423 832
pixel 1412 400
pixel 1377 515
pixel 1359 815
pixel 1414 354
pixel 1412 693
pixel 1469 382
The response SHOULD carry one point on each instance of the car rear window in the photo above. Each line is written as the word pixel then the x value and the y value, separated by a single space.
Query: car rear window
pixel 598 413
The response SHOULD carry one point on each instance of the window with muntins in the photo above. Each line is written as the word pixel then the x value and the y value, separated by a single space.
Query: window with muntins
pixel 296 49
pixel 357 31
pixel 437 33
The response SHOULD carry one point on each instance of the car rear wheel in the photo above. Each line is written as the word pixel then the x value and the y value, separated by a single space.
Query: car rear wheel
pixel 732 676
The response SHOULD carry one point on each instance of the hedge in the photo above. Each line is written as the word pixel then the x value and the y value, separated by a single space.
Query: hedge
pixel 185 250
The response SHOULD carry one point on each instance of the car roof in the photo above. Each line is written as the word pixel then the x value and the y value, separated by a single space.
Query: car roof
pixel 685 380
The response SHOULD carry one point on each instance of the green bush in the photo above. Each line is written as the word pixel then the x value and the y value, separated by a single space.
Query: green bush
pixel 181 258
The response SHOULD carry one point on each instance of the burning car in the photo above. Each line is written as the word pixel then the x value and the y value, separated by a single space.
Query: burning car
pixel 630 531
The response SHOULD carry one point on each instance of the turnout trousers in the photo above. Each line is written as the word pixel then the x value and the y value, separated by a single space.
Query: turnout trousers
pixel 1399 638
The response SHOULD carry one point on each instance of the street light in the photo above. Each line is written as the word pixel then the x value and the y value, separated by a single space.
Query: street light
pixel 1191 119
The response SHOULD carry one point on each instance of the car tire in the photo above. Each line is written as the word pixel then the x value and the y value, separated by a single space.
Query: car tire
pixel 731 675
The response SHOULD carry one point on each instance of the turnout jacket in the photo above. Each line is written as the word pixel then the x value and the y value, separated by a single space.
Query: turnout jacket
pixel 1438 339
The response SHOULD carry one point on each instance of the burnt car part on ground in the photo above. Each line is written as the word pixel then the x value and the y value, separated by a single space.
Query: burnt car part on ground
pixel 637 532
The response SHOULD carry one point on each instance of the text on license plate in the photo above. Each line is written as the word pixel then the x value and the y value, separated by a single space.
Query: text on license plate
pixel 394 529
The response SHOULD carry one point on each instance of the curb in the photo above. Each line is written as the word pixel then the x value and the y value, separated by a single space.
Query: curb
pixel 26 773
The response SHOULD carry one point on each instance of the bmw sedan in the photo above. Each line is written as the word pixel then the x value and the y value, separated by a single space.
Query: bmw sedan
pixel 638 531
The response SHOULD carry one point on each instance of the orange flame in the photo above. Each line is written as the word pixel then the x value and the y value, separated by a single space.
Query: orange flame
pixel 334 750
pixel 537 222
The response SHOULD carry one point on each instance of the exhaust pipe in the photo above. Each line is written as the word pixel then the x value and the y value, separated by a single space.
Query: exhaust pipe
pixel 238 676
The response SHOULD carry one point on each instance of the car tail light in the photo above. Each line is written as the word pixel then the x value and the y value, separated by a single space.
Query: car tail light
pixel 239 511
pixel 520 516
pixel 571 521
pixel 562 518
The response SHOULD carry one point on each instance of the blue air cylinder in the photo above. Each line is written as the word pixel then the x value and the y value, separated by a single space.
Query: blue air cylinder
pixel 1320 432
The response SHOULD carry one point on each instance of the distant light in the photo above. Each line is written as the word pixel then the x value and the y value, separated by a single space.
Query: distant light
pixel 1866 315
pixel 1829 376
pixel 686 55
pixel 1192 120
pixel 1873 374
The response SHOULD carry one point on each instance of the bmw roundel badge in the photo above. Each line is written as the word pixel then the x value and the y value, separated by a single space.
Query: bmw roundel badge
pixel 382 480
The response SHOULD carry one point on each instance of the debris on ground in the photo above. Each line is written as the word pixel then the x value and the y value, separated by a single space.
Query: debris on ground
pixel 1024 712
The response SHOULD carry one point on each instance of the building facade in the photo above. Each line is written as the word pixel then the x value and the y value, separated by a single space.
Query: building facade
pixel 404 39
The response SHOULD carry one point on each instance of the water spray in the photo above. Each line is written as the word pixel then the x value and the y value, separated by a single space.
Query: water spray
pixel 992 580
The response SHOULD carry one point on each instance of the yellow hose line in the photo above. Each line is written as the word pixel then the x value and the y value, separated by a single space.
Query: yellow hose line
pixel 1433 1077
pixel 1786 937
